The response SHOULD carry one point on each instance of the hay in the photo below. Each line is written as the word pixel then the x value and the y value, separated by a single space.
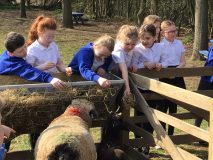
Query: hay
pixel 31 110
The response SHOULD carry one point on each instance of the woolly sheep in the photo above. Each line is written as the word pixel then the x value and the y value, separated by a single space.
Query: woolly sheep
pixel 68 137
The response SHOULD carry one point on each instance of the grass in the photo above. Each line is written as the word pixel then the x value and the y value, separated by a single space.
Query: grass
pixel 69 41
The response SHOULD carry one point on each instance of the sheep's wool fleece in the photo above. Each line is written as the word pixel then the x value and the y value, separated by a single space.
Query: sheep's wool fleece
pixel 66 129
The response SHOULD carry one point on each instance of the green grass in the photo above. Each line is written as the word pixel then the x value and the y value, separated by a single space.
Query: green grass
pixel 69 41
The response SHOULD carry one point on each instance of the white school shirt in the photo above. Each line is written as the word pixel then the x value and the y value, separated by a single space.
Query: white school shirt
pixel 174 51
pixel 38 55
pixel 96 64
pixel 154 54
pixel 121 56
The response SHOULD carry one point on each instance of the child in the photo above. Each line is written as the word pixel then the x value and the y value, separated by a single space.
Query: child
pixel 206 82
pixel 42 51
pixel 4 132
pixel 92 60
pixel 12 62
pixel 156 21
pixel 148 54
pixel 175 58
pixel 126 40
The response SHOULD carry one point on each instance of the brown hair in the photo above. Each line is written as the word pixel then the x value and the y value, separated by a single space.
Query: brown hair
pixel 13 41
pixel 127 33
pixel 151 19
pixel 39 25
pixel 106 41
pixel 149 28
pixel 165 24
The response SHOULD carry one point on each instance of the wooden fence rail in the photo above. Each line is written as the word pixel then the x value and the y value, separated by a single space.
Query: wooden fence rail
pixel 197 104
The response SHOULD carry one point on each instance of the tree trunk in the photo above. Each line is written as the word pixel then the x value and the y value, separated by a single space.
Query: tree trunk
pixel 210 19
pixel 141 12
pixel 201 27
pixel 23 9
pixel 67 14
pixel 154 7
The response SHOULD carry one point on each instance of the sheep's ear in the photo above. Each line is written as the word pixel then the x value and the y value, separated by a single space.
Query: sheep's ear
pixel 93 114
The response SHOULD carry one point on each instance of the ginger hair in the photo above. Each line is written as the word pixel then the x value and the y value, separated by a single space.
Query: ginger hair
pixel 127 34
pixel 39 25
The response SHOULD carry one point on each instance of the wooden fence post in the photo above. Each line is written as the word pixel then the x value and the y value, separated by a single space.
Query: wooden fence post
pixel 210 156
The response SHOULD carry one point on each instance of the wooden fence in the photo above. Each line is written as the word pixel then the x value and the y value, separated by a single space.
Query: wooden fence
pixel 197 104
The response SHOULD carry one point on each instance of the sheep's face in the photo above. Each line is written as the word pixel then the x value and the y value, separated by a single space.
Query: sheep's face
pixel 86 106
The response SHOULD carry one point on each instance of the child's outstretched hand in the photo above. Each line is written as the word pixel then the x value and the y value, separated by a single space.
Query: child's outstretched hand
pixel 127 92
pixel 158 66
pixel 68 71
pixel 133 68
pixel 57 83
pixel 103 82
pixel 101 72
pixel 46 66
pixel 7 131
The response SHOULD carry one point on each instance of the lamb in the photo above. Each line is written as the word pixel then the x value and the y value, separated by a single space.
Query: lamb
pixel 68 137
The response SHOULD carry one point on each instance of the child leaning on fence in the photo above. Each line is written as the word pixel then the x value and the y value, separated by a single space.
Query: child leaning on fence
pixel 93 59
pixel 148 54
pixel 126 40
pixel 175 58
pixel 42 51
pixel 12 62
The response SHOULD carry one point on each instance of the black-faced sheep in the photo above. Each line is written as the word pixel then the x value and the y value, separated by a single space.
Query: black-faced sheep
pixel 67 137
pixel 109 148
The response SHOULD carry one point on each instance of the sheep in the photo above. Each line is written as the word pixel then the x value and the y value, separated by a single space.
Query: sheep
pixel 67 137
pixel 109 146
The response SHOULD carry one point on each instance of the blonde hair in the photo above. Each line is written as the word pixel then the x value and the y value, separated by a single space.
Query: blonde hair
pixel 106 41
pixel 165 24
pixel 127 33
pixel 151 19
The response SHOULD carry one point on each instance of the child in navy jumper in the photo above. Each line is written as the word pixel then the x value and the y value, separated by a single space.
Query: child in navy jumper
pixel 12 62
pixel 92 60
pixel 206 82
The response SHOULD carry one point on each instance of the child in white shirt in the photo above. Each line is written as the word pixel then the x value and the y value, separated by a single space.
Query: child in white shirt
pixel 42 51
pixel 148 54
pixel 126 40
pixel 175 58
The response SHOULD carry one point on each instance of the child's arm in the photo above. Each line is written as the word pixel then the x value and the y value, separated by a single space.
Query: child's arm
pixel 124 72
pixel 60 66
pixel 182 61
pixel 26 71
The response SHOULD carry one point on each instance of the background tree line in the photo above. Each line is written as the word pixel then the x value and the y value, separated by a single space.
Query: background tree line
pixel 194 14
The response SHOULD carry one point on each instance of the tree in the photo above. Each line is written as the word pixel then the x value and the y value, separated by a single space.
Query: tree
pixel 23 9
pixel 67 14
pixel 141 12
pixel 201 27
pixel 154 7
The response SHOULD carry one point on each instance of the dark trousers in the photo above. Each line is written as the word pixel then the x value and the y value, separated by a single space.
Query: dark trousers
pixel 203 85
pixel 167 105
